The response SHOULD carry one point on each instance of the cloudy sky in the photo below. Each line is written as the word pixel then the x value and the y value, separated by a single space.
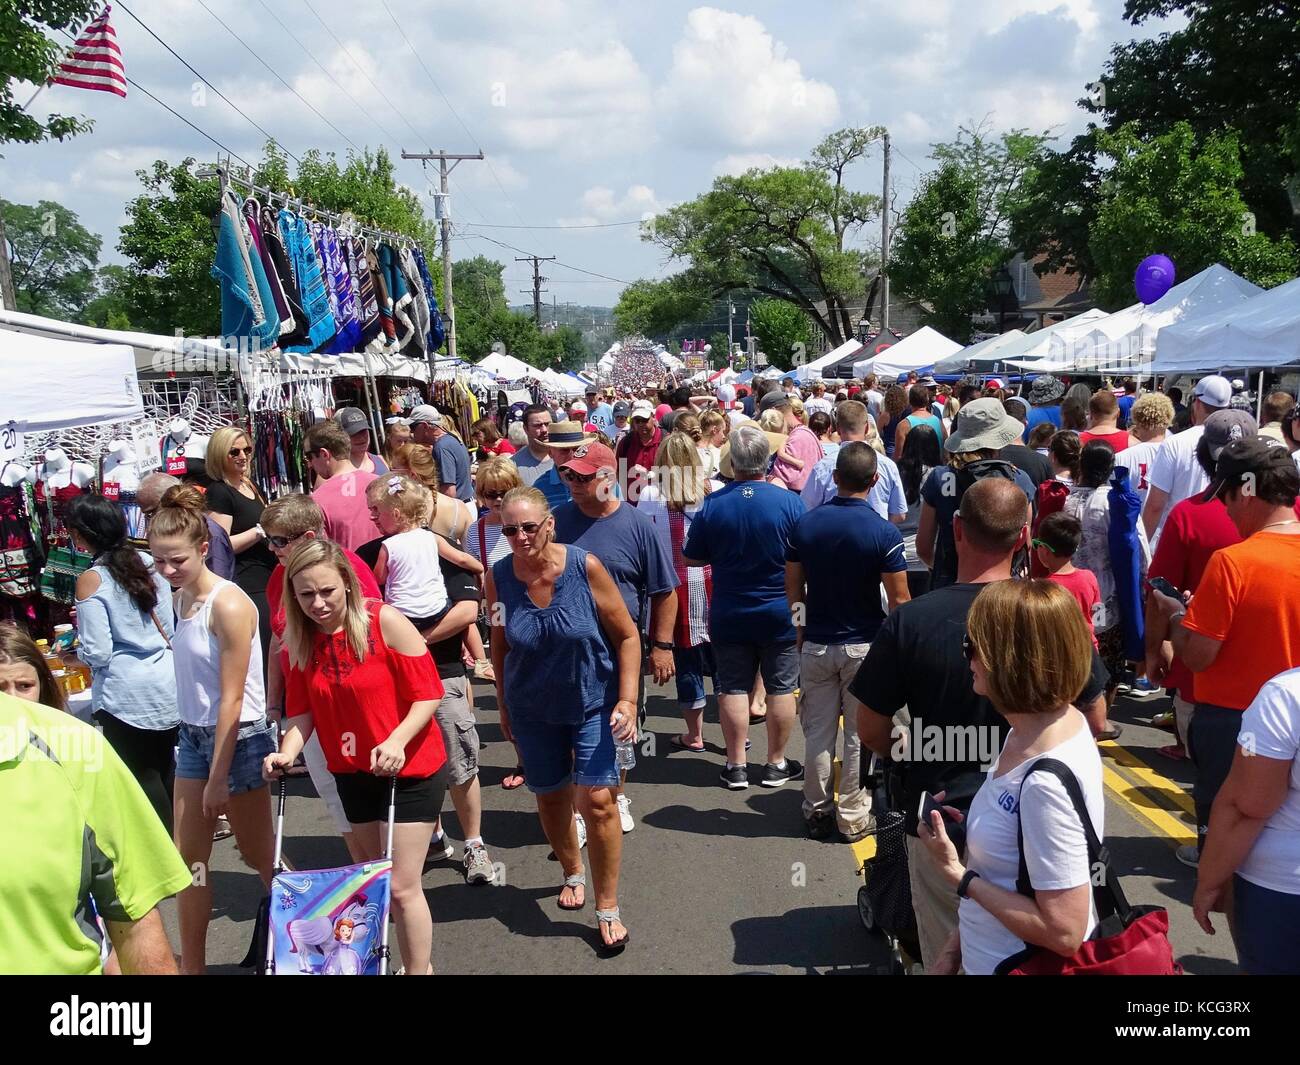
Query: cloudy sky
pixel 590 111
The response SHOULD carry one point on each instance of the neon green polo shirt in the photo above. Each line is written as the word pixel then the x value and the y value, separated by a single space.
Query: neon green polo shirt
pixel 74 826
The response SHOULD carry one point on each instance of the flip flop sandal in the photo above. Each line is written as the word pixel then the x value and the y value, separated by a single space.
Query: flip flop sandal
pixel 677 744
pixel 517 772
pixel 577 880
pixel 1115 731
pixel 757 719
pixel 1175 752
pixel 612 950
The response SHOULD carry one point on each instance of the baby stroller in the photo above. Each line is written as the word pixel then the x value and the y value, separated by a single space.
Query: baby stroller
pixel 885 897
pixel 328 922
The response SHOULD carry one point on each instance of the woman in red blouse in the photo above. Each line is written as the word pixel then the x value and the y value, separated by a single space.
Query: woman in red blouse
pixel 488 439
pixel 360 676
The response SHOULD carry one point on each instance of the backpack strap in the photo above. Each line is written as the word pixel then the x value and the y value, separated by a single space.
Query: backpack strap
pixel 1107 896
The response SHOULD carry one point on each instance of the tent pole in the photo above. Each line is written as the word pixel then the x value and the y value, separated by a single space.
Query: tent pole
pixel 1259 401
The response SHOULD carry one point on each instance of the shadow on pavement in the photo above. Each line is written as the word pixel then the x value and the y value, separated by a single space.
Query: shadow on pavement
pixel 528 912
pixel 821 939
pixel 775 814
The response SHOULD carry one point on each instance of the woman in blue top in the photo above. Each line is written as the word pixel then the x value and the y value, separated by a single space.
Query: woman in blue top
pixel 567 658
pixel 918 397
pixel 891 417
pixel 124 621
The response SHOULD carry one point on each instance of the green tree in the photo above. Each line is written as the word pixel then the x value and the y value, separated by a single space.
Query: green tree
pixel 108 309
pixel 653 308
pixel 571 350
pixel 719 350
pixel 1054 218
pixel 782 330
pixel 784 232
pixel 53 258
pixel 27 54
pixel 1174 195
pixel 480 294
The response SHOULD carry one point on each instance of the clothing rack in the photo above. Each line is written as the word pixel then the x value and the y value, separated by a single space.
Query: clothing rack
pixel 222 173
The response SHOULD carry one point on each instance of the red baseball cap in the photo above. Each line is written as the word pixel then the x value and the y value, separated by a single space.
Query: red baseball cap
pixel 590 458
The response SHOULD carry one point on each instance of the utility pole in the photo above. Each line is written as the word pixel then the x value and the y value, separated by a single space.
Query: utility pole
pixel 537 261
pixel 7 298
pixel 449 311
pixel 884 246
pixel 731 314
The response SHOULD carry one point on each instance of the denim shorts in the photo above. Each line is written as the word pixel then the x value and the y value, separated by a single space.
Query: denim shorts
pixel 740 663
pixel 693 664
pixel 255 741
pixel 556 755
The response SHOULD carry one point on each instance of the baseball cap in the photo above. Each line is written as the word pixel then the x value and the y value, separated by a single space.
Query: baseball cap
pixel 588 458
pixel 774 398
pixel 642 409
pixel 577 404
pixel 726 394
pixel 352 419
pixel 1213 391
pixel 1224 426
pixel 426 415
pixel 1245 456
pixel 621 409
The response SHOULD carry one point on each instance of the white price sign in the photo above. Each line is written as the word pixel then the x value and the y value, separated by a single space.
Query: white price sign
pixel 147 450
pixel 12 441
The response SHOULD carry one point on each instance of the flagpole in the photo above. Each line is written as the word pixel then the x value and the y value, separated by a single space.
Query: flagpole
pixel 37 93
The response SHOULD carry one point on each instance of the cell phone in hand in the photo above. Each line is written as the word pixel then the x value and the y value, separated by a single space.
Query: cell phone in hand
pixel 1164 587
pixel 928 805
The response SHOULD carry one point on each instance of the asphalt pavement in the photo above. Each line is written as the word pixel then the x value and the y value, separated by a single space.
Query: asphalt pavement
pixel 713 881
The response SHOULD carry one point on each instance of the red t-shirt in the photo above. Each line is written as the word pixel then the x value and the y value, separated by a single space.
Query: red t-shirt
pixel 275 592
pixel 638 454
pixel 501 447
pixel 1082 584
pixel 1118 439
pixel 356 705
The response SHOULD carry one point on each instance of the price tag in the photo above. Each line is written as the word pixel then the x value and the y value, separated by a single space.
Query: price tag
pixel 12 441
pixel 112 491
pixel 176 465
pixel 148 454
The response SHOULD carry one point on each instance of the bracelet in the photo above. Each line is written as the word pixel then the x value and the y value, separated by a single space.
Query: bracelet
pixel 963 885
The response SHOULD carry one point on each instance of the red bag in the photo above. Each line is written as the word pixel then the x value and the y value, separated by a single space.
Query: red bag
pixel 1050 498
pixel 1128 940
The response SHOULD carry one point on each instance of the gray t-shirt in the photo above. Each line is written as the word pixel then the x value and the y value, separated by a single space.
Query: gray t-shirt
pixel 453 466
pixel 530 467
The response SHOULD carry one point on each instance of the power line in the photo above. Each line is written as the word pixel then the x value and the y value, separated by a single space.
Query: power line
pixel 579 269
pixel 276 74
pixel 592 225
pixel 186 64
pixel 324 70
pixel 434 82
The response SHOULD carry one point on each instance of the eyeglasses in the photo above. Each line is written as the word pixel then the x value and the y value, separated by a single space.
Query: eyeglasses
pixel 494 495
pixel 967 646
pixel 529 527
pixel 574 477
pixel 280 542
pixel 235 452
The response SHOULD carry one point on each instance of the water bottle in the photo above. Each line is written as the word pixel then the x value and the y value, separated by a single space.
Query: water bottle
pixel 624 756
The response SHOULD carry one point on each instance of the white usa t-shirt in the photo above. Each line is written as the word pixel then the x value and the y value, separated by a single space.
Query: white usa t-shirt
pixel 1270 728
pixel 1138 460
pixel 1175 470
pixel 1056 849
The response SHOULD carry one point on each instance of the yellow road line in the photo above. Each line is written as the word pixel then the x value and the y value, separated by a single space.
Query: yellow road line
pixel 1152 779
pixel 1146 808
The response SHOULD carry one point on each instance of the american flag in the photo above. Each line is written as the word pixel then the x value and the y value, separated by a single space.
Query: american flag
pixel 95 61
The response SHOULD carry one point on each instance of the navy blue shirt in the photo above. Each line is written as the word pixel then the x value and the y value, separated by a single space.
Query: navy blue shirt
pixel 453 466
pixel 942 490
pixel 844 547
pixel 742 531
pixel 629 546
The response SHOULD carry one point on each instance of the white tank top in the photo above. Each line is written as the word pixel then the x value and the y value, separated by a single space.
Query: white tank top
pixel 414 584
pixel 197 655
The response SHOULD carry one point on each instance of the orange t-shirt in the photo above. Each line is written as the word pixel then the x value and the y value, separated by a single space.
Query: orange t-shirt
pixel 1249 600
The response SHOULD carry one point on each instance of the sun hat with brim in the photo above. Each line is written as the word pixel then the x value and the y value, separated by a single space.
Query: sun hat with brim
pixel 1046 389
pixel 1251 455
pixel 983 425
pixel 568 434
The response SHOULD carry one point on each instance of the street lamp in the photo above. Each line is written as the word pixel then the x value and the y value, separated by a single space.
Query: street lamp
pixel 1003 286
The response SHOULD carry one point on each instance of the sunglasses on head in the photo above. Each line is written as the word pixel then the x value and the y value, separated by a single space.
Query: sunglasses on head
pixel 235 452
pixel 577 478
pixel 528 527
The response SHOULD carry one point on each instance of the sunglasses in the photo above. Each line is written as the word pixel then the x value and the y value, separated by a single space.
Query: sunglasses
pixel 1042 543
pixel 574 477
pixel 235 452
pixel 494 495
pixel 967 646
pixel 280 542
pixel 528 527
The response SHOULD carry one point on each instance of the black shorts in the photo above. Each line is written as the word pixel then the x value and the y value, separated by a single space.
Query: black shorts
pixel 365 797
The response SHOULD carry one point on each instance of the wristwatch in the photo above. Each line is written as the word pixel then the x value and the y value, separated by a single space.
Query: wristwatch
pixel 963 885
pixel 660 645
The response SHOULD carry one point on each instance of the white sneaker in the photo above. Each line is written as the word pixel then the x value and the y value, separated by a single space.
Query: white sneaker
pixel 478 866
pixel 625 814
pixel 582 830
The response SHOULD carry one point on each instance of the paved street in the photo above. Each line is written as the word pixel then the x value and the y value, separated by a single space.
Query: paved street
pixel 713 881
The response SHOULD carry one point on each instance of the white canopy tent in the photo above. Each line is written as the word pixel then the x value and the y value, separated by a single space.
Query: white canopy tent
pixel 508 367
pixel 60 384
pixel 1264 331
pixel 1010 345
pixel 812 371
pixel 915 351
pixel 1125 342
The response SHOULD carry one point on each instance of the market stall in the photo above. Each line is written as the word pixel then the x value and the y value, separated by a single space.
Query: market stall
pixel 916 351
pixel 1263 331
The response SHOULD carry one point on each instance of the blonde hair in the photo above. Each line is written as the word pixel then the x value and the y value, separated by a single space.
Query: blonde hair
pixel 797 408
pixel 292 515
pixel 711 420
pixel 689 424
pixel 496 474
pixel 772 421
pixel 420 460
pixel 219 444
pixel 679 472
pixel 1034 642
pixel 299 630
pixel 528 494
pixel 405 497
pixel 1152 412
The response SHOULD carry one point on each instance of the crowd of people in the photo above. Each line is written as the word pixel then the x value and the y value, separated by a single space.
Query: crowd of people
pixel 864 563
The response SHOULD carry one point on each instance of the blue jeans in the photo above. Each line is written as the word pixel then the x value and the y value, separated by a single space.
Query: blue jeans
pixel 555 756
pixel 693 664
pixel 256 739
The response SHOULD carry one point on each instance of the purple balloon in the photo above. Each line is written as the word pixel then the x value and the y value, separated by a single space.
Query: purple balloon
pixel 1154 277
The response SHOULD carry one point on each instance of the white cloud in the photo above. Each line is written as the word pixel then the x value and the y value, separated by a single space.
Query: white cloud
pixel 733 85
pixel 739 162
pixel 601 204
